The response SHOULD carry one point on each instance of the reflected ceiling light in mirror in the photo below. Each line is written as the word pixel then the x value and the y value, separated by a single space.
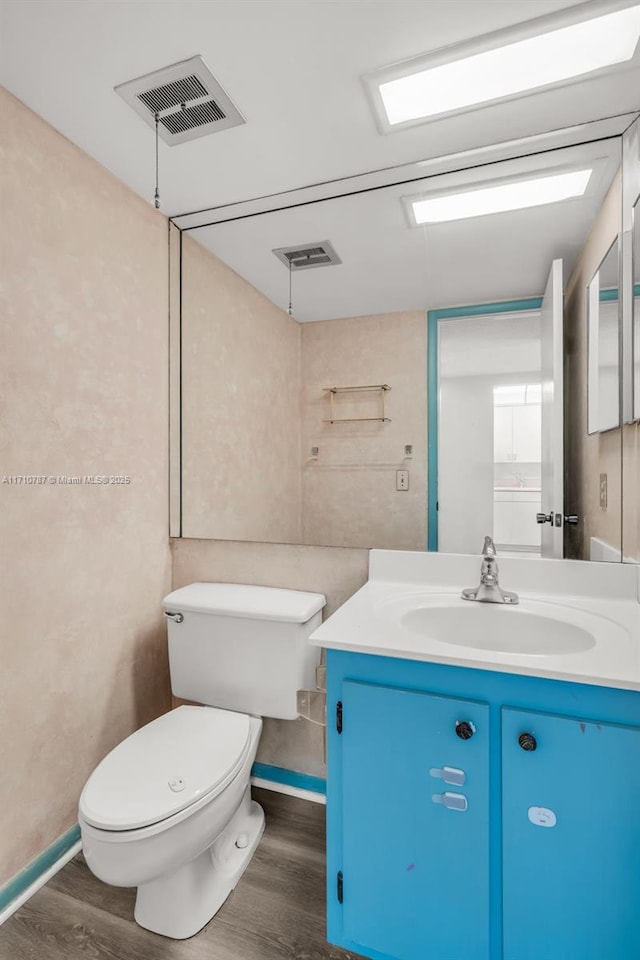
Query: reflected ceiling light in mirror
pixel 490 69
pixel 517 195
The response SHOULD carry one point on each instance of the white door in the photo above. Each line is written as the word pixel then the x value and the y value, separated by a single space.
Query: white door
pixel 552 495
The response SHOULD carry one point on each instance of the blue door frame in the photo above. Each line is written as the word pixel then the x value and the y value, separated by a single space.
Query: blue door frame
pixel 433 318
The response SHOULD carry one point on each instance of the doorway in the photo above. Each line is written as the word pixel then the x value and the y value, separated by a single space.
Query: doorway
pixel 485 446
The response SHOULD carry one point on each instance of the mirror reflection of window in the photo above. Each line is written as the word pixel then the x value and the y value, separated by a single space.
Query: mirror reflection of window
pixel 517 454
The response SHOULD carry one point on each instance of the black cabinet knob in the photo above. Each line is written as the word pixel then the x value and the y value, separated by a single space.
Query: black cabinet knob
pixel 464 729
pixel 527 741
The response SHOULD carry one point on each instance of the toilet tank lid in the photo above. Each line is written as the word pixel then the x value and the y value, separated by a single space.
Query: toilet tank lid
pixel 247 601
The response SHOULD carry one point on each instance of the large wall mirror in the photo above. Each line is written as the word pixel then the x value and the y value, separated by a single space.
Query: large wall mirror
pixel 630 284
pixel 377 369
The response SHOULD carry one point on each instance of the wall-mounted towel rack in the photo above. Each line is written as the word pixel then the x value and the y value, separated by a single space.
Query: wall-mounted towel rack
pixel 381 388
pixel 314 460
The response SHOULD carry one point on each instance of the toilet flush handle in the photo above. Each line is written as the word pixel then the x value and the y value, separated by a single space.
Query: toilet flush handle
pixel 176 617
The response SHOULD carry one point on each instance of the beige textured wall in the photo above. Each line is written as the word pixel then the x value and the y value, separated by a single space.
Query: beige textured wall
pixel 84 371
pixel 349 495
pixel 254 405
pixel 336 572
pixel 586 457
pixel 240 420
pixel 631 491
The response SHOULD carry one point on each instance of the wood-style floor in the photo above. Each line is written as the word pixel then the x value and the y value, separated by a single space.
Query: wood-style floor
pixel 277 911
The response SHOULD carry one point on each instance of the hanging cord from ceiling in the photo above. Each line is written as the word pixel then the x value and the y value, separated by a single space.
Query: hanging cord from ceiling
pixel 290 305
pixel 156 196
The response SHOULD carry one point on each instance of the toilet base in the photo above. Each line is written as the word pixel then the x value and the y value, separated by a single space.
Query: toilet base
pixel 180 904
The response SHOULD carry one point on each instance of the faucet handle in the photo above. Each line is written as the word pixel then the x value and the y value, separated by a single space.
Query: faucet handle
pixel 488 548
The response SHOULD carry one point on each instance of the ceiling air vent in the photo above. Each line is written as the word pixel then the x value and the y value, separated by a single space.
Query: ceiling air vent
pixel 308 255
pixel 187 98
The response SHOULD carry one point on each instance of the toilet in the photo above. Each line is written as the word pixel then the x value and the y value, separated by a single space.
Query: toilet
pixel 169 810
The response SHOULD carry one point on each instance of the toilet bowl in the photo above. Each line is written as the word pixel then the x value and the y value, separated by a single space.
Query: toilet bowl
pixel 169 811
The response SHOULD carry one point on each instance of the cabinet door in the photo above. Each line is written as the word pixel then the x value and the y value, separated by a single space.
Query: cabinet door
pixel 415 871
pixel 525 530
pixel 571 840
pixel 503 519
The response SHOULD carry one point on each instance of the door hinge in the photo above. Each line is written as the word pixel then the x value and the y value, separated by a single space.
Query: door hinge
pixel 340 887
pixel 339 716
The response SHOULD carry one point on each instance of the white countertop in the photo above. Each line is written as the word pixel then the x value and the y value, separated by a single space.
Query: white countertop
pixel 601 597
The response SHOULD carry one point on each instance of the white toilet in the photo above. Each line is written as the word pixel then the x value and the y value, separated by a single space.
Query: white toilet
pixel 169 810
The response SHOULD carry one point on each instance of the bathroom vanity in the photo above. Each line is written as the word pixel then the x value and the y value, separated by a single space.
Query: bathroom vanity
pixel 483 801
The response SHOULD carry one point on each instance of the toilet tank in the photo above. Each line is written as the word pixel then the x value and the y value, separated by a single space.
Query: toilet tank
pixel 242 647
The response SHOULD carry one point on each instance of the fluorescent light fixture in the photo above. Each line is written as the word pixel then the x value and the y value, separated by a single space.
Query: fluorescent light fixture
pixel 517 195
pixel 507 70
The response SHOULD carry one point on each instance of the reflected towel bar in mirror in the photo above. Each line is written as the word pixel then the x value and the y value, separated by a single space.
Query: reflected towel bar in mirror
pixel 380 388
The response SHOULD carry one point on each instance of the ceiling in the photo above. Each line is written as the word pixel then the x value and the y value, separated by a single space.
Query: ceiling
pixel 293 69
pixel 388 265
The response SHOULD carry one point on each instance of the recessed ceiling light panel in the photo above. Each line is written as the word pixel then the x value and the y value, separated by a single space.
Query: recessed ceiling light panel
pixel 542 53
pixel 498 198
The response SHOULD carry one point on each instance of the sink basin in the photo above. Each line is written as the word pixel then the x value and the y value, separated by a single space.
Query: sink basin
pixel 494 627
pixel 534 628
pixel 576 622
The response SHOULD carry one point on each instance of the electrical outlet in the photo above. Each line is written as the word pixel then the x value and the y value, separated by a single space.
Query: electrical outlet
pixel 402 479
pixel 603 491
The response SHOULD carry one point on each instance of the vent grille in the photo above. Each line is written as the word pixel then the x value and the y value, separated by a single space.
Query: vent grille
pixel 301 258
pixel 187 99
pixel 192 117
pixel 173 94
pixel 309 255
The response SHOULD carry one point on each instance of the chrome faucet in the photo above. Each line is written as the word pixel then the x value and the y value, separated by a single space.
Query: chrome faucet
pixel 489 589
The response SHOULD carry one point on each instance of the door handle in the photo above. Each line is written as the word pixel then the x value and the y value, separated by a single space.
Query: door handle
pixel 544 518
pixel 572 520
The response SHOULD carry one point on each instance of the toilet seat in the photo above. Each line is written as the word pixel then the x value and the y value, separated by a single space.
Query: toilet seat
pixel 184 758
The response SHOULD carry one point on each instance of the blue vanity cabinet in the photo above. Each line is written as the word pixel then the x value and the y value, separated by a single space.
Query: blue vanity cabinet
pixel 415 809
pixel 535 855
pixel 571 828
